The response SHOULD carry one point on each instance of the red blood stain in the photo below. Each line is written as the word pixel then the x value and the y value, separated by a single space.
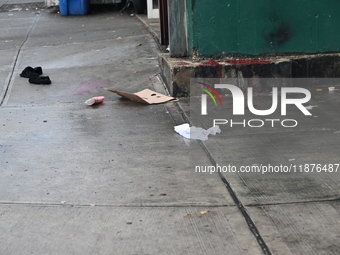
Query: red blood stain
pixel 247 62
pixel 211 63
pixel 89 86
pixel 182 63
pixel 219 72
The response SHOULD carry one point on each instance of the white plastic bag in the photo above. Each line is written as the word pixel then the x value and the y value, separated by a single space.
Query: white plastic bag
pixel 196 132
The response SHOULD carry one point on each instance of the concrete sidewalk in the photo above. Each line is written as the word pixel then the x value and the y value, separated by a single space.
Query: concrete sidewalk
pixel 115 178
pixel 109 179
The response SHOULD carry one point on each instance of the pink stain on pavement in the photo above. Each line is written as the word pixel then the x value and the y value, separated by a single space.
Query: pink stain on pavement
pixel 89 86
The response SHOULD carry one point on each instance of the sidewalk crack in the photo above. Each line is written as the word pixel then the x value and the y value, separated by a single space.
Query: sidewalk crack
pixel 294 202
pixel 7 86
pixel 233 194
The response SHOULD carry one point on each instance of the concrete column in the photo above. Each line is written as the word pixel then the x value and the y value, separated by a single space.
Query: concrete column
pixel 178 28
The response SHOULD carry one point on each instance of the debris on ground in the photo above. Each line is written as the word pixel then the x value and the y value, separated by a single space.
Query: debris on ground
pixel 95 100
pixel 15 10
pixel 188 216
pixel 35 75
pixel 145 96
pixel 310 107
pixel 330 89
pixel 196 132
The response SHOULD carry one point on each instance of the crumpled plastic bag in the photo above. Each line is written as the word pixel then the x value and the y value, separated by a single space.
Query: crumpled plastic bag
pixel 196 132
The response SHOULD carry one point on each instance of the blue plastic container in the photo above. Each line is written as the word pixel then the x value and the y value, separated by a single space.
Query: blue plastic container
pixel 73 7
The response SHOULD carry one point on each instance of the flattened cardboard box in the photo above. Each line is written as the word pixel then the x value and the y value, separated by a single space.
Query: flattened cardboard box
pixel 145 96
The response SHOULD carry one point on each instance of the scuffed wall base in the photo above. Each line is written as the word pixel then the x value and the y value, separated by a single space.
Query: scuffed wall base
pixel 176 72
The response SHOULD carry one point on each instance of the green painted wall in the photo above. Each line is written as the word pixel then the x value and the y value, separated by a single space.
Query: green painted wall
pixel 217 28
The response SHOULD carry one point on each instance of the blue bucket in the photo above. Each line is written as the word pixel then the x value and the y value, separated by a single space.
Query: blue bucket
pixel 73 7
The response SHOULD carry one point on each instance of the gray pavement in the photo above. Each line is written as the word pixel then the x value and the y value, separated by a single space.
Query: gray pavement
pixel 300 206
pixel 109 179
pixel 116 179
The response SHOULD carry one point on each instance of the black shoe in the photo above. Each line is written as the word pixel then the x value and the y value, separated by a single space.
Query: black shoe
pixel 29 72
pixel 44 80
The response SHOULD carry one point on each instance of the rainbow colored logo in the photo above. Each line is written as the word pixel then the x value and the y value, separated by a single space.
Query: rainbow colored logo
pixel 210 91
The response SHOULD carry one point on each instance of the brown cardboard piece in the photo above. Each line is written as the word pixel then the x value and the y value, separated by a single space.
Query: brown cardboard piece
pixel 145 96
